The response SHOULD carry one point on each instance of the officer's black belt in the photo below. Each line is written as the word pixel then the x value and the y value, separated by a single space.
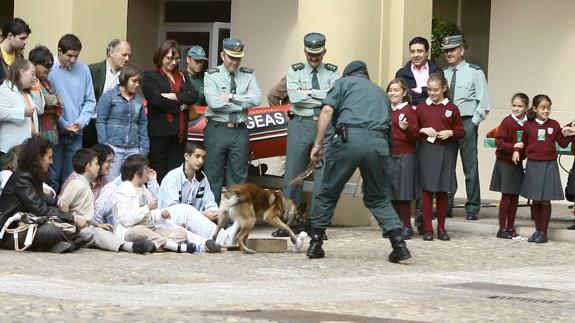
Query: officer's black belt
pixel 230 125
pixel 366 132
pixel 466 117
pixel 298 117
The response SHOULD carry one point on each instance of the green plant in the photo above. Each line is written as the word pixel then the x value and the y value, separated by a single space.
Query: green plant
pixel 439 30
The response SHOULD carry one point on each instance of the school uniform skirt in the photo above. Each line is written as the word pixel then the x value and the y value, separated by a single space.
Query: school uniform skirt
pixel 542 181
pixel 436 166
pixel 506 178
pixel 404 185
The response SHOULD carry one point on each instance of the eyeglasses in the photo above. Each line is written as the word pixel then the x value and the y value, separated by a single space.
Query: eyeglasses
pixel 172 59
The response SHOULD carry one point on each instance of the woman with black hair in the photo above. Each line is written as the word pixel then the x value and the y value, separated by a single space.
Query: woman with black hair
pixel 23 193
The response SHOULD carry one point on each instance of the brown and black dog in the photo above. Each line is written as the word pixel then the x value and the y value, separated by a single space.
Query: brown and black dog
pixel 249 204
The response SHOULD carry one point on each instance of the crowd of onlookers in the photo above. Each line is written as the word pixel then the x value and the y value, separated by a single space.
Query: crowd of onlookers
pixel 98 156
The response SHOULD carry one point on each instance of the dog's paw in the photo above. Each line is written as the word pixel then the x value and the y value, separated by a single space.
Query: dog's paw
pixel 300 242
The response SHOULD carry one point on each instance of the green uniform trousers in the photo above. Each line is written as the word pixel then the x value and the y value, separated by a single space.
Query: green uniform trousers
pixel 228 154
pixel 300 140
pixel 369 151
pixel 468 151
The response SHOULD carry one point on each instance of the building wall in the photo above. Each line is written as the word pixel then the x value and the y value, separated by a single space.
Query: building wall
pixel 85 18
pixel 531 46
pixel 142 31
pixel 269 31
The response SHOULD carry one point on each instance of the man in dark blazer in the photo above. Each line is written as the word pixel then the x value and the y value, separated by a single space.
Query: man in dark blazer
pixel 104 78
pixel 416 72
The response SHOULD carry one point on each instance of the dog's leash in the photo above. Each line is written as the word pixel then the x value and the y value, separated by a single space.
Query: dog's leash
pixel 312 167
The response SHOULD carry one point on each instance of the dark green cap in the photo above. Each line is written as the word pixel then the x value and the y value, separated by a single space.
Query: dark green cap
pixel 450 42
pixel 197 53
pixel 354 66
pixel 234 47
pixel 314 43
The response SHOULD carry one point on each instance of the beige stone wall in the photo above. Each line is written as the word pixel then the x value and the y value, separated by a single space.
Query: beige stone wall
pixel 95 22
pixel 269 31
pixel 531 51
pixel 142 31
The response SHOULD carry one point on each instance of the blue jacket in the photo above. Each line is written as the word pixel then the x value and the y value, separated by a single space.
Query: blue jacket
pixel 122 123
pixel 406 75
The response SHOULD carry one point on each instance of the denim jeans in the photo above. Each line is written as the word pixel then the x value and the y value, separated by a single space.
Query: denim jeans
pixel 120 154
pixel 63 153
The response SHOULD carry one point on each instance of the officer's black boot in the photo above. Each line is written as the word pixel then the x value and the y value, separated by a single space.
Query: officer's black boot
pixel 315 250
pixel 399 246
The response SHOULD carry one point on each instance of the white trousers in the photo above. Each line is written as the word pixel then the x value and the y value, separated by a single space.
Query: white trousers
pixel 199 227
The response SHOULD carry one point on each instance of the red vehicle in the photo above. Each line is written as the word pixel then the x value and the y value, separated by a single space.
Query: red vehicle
pixel 267 127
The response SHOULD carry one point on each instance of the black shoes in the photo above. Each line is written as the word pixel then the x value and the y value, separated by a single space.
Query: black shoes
pixel 315 249
pixel 535 236
pixel 472 217
pixel 419 224
pixel 143 247
pixel 428 236
pixel 190 247
pixel 212 246
pixel 504 234
pixel 571 227
pixel 541 238
pixel 280 233
pixel 443 236
pixel 400 251
pixel 407 233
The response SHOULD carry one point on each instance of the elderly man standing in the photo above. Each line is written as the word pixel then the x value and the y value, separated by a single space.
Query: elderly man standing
pixel 230 91
pixel 104 78
pixel 416 72
pixel 470 94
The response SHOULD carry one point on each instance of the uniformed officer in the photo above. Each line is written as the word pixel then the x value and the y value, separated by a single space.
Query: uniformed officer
pixel 470 94
pixel 230 91
pixel 197 62
pixel 307 85
pixel 361 113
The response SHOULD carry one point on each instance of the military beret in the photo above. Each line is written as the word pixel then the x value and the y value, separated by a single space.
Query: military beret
pixel 353 67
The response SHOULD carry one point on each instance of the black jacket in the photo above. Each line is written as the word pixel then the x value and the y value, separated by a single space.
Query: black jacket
pixel 153 85
pixel 23 193
pixel 406 75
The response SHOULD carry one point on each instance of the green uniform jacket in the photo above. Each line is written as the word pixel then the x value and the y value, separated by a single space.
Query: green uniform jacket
pixel 299 79
pixel 471 94
pixel 248 93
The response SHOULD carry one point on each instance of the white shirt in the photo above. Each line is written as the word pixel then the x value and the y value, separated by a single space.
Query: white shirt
pixel 130 208
pixel 428 101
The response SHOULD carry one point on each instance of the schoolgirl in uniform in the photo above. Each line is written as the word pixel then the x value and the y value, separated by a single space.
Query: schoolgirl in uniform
pixel 404 133
pixel 541 183
pixel 440 126
pixel 507 176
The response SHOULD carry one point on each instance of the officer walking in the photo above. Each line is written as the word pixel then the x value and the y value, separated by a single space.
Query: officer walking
pixel 470 94
pixel 230 91
pixel 361 114
pixel 197 62
pixel 307 85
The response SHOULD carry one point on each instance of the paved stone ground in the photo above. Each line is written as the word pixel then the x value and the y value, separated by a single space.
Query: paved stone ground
pixel 354 283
